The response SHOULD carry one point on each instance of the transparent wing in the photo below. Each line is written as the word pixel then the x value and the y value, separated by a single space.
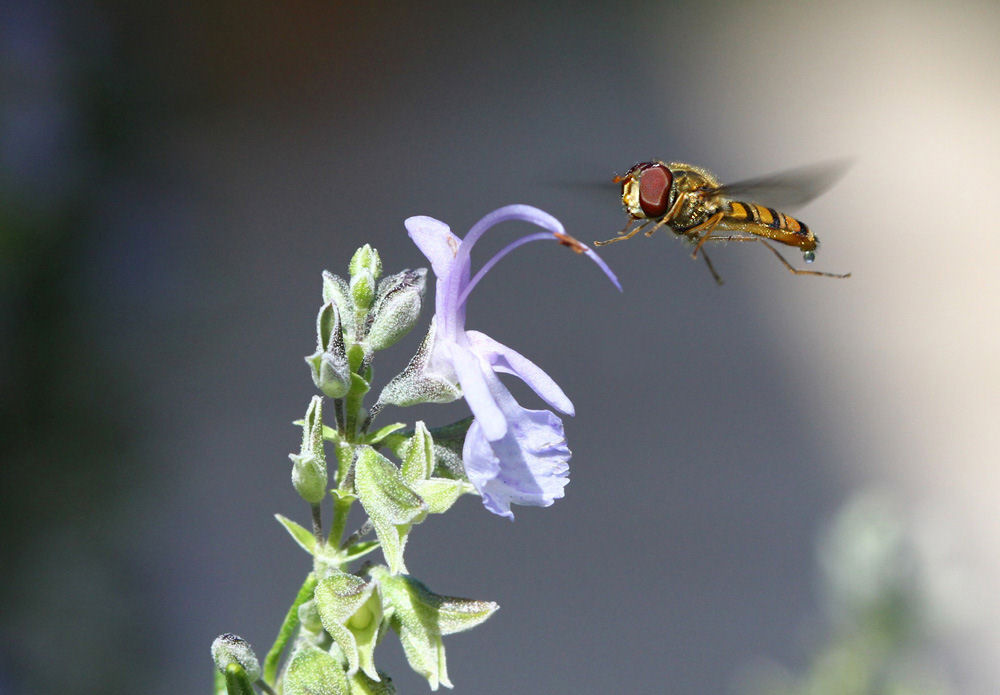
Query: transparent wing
pixel 787 189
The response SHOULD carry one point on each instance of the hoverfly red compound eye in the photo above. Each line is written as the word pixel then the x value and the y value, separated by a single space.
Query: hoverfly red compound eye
pixel 655 181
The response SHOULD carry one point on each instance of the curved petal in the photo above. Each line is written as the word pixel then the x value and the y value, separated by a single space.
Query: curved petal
pixel 435 240
pixel 478 390
pixel 528 466
pixel 504 359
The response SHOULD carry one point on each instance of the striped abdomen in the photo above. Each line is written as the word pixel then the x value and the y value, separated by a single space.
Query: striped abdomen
pixel 769 223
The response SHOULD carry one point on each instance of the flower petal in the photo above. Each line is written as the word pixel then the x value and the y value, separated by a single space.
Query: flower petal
pixel 528 466
pixel 479 391
pixel 435 240
pixel 504 359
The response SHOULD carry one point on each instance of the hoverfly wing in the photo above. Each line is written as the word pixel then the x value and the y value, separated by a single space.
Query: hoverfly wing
pixel 787 189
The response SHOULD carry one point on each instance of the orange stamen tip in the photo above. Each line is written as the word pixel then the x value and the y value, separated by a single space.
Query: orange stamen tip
pixel 567 240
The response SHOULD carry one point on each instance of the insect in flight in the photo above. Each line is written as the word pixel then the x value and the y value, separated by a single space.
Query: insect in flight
pixel 690 202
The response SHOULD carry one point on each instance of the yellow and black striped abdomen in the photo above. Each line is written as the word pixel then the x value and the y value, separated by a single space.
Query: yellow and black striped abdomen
pixel 770 224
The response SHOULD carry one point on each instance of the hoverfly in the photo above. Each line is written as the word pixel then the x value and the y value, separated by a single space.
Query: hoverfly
pixel 690 202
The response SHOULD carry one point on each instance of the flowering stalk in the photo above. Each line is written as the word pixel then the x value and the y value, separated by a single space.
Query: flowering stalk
pixel 505 453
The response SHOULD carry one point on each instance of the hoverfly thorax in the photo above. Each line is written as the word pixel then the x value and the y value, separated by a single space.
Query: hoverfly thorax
pixel 646 189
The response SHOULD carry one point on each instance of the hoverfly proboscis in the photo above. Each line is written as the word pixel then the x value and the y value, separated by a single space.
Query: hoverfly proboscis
pixel 690 202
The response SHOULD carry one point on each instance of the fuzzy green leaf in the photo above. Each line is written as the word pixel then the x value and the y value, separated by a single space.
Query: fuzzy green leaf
pixel 376 437
pixel 418 454
pixel 421 617
pixel 441 493
pixel 312 671
pixel 300 534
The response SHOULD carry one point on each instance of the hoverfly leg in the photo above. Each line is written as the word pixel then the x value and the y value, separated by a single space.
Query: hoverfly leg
pixel 711 269
pixel 671 214
pixel 793 270
pixel 624 233
pixel 706 228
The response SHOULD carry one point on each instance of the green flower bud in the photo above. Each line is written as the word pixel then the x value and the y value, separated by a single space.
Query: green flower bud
pixel 396 308
pixel 309 474
pixel 232 649
pixel 365 269
pixel 366 259
pixel 336 290
pixel 329 366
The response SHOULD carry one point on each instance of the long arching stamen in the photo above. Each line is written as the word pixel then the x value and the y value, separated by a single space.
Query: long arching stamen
pixel 537 236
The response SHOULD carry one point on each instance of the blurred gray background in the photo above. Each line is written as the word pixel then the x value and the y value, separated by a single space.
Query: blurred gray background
pixel 174 179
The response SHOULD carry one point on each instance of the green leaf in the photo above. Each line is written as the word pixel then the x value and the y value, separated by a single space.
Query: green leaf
pixel 352 613
pixel 300 534
pixel 340 595
pixel 337 598
pixel 390 503
pixel 441 493
pixel 376 437
pixel 359 550
pixel 421 617
pixel 361 684
pixel 312 671
pixel 382 490
pixel 418 454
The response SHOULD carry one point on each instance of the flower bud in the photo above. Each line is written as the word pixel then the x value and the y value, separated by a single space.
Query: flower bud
pixel 365 268
pixel 366 258
pixel 336 290
pixel 329 365
pixel 229 648
pixel 309 474
pixel 396 308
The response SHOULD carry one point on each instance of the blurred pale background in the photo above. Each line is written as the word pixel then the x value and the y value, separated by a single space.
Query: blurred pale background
pixel 174 180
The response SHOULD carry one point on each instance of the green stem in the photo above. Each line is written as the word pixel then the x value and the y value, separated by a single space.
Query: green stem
pixel 341 508
pixel 317 520
pixel 287 630
pixel 338 414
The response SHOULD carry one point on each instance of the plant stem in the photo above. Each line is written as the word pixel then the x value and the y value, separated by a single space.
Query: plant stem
pixel 341 508
pixel 317 523
pixel 288 628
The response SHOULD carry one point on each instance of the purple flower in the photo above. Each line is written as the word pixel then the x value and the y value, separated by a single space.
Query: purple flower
pixel 511 454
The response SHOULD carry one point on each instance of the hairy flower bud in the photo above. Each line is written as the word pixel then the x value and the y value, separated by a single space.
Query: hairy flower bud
pixel 366 259
pixel 329 365
pixel 309 474
pixel 396 308
pixel 365 268
pixel 229 648
pixel 336 290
